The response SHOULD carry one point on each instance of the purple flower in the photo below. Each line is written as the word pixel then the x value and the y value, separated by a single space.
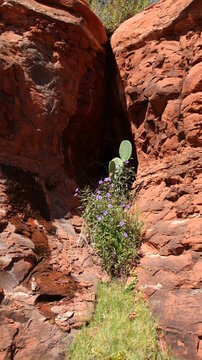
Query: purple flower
pixel 99 218
pixel 100 197
pixel 100 182
pixel 105 212
pixel 117 167
pixel 121 223
pixel 126 162
pixel 128 206
pixel 122 204
pixel 111 186
pixel 77 189
pixel 76 194
pixel 108 194
pixel 125 234
pixel 98 191
pixel 109 206
pixel 107 179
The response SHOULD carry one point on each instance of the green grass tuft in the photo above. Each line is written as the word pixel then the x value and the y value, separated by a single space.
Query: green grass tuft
pixel 112 335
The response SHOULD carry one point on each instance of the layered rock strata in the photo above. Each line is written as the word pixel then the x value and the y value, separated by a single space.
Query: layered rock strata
pixel 159 58
pixel 52 96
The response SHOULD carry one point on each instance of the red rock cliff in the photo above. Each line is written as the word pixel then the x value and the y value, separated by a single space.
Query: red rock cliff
pixel 52 105
pixel 159 58
pixel 52 99
pixel 52 89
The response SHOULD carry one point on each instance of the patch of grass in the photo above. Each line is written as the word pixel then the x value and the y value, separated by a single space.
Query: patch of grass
pixel 113 334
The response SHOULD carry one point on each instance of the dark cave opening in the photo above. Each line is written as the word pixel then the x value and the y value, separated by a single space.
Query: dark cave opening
pixel 46 298
pixel 88 152
pixel 117 125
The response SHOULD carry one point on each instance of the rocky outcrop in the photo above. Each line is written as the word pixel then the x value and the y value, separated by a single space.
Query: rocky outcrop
pixel 48 276
pixel 159 58
pixel 52 96
pixel 52 92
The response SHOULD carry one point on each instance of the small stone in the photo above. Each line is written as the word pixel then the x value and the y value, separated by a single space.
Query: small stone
pixel 65 317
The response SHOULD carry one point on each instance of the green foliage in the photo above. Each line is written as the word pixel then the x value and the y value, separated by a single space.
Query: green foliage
pixel 113 12
pixel 133 283
pixel 116 165
pixel 115 335
pixel 113 230
pixel 112 167
pixel 125 150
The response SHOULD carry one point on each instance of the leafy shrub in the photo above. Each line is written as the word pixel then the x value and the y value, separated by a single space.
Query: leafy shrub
pixel 113 230
pixel 113 12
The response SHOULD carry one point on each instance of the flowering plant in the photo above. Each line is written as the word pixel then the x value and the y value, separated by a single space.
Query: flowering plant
pixel 112 229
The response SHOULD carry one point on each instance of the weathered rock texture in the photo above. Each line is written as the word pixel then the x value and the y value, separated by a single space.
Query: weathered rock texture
pixel 52 90
pixel 48 276
pixel 159 58
pixel 52 96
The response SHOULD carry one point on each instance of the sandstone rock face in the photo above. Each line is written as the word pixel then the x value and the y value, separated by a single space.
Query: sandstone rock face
pixel 52 90
pixel 52 94
pixel 48 280
pixel 159 58
pixel 158 53
pixel 52 98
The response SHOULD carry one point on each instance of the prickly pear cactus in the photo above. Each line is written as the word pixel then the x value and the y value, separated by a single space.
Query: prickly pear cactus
pixel 125 150
pixel 116 164
pixel 112 167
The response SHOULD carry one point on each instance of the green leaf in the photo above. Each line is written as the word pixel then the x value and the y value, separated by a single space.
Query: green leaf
pixel 115 165
pixel 125 150
pixel 112 167
pixel 118 163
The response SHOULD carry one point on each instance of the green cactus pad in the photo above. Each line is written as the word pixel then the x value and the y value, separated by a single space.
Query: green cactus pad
pixel 112 167
pixel 114 164
pixel 118 163
pixel 125 150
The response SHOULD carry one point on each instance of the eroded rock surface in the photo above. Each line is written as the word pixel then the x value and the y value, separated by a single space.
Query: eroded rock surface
pixel 52 96
pixel 48 280
pixel 159 58
pixel 52 91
